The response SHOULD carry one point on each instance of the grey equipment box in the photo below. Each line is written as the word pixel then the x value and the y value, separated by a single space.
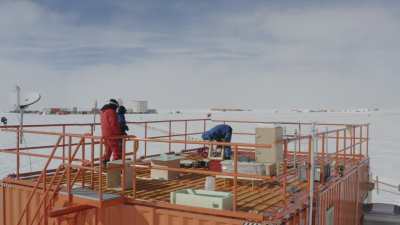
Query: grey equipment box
pixel 202 198
pixel 170 161
pixel 269 135
pixel 114 174
pixel 255 168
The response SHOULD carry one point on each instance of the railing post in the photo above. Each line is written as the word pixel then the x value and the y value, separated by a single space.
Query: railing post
pixel 186 127
pixel 337 152
pixel 367 140
pixel 83 161
pixel 285 171
pixel 123 166
pixel 145 137
pixel 101 170
pixel 345 148
pixel 312 168
pixel 299 143
pixel 204 129
pixel 295 149
pixel 169 135
pixel 235 167
pixel 92 146
pixel 322 160
pixel 353 136
pixel 69 188
pixel 63 142
pixel 361 141
pixel 135 149
pixel 18 148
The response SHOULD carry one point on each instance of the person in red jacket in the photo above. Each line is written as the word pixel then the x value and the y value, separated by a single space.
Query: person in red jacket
pixel 109 128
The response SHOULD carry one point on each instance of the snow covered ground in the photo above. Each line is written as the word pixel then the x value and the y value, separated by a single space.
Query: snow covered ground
pixel 384 134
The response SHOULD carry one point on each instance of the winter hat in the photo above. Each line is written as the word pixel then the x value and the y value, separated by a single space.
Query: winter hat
pixel 114 102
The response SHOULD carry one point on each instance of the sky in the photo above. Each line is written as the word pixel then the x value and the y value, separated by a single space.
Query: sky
pixel 189 54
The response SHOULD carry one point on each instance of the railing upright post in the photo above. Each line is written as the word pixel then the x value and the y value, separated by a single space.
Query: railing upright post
pixel 83 161
pixel 145 137
pixel 186 127
pixel 322 160
pixel 354 143
pixel 285 165
pixel 235 167
pixel 123 166
pixel 18 148
pixel 92 146
pixel 63 143
pixel 204 129
pixel 295 149
pixel 101 170
pixel 135 149
pixel 367 140
pixel 312 168
pixel 69 188
pixel 345 148
pixel 299 143
pixel 361 140
pixel 337 151
pixel 169 135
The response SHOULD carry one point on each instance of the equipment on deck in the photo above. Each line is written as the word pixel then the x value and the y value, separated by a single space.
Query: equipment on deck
pixel 202 198
pixel 167 161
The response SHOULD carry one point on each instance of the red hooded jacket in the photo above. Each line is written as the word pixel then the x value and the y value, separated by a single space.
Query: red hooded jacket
pixel 109 122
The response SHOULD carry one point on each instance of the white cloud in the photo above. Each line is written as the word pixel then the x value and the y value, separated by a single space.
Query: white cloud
pixel 267 57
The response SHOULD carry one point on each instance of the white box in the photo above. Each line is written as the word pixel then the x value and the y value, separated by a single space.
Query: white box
pixel 202 198
pixel 269 136
pixel 168 161
pixel 114 174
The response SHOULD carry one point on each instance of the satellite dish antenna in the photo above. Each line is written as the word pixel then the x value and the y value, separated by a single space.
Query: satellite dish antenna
pixel 30 100
pixel 22 105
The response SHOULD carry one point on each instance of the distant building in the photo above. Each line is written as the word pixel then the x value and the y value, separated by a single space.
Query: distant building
pixel 137 106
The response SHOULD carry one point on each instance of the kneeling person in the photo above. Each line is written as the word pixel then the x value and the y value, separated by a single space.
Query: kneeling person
pixel 220 133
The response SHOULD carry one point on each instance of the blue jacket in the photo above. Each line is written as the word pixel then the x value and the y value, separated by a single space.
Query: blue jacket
pixel 220 132
pixel 122 123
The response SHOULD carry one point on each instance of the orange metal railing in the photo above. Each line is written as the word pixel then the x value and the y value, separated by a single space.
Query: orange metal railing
pixel 350 144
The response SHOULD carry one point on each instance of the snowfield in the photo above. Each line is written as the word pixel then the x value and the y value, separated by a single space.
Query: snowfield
pixel 384 136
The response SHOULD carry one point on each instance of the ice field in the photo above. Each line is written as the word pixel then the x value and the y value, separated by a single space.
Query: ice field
pixel 384 136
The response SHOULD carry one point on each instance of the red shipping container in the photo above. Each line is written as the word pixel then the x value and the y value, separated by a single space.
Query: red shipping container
pixel 215 165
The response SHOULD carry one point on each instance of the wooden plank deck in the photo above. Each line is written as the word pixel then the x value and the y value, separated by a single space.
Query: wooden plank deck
pixel 258 196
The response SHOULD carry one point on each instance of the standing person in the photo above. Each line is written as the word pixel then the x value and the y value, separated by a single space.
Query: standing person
pixel 121 120
pixel 220 133
pixel 110 128
pixel 122 126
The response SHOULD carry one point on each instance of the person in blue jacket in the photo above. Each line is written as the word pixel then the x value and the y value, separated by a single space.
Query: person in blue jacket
pixel 121 120
pixel 122 125
pixel 220 133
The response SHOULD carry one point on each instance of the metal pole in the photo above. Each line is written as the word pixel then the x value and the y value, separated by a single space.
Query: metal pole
pixel 63 141
pixel 169 135
pixel 235 168
pixel 312 165
pixel 18 148
pixel 145 137
pixel 94 115
pixel 295 149
pixel 186 127
pixel 367 140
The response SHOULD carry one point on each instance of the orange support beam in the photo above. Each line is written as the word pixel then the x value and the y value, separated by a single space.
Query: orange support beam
pixel 69 210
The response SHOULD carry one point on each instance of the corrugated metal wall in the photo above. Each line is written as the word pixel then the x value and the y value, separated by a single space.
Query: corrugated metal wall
pixel 346 197
pixel 15 200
